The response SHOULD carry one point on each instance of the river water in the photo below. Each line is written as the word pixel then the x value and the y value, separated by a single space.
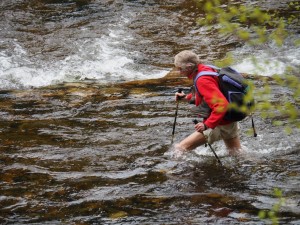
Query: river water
pixel 90 149
pixel 50 41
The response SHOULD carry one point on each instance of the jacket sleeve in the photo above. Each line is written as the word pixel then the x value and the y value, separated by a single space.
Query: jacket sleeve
pixel 209 89
pixel 189 97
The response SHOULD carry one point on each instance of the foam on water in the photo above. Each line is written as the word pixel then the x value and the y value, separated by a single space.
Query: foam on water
pixel 270 59
pixel 263 66
pixel 103 59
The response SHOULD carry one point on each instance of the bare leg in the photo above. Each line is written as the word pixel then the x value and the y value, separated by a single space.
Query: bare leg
pixel 233 145
pixel 193 141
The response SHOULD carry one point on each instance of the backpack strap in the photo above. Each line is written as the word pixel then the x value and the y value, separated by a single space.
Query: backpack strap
pixel 210 73
pixel 205 73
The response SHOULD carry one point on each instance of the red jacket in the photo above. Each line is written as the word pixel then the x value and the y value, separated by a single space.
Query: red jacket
pixel 208 86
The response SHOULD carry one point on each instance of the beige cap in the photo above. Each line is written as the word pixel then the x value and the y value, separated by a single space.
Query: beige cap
pixel 186 58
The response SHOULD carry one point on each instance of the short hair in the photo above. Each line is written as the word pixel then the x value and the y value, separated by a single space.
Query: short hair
pixel 185 59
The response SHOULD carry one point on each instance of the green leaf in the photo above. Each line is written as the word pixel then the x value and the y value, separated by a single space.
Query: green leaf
pixel 278 192
pixel 262 214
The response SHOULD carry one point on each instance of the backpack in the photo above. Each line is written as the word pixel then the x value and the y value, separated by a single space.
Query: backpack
pixel 234 88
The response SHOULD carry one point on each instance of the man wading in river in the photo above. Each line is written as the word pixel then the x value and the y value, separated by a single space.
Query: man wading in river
pixel 214 127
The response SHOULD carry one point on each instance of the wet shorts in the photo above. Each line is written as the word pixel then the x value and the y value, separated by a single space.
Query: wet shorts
pixel 224 132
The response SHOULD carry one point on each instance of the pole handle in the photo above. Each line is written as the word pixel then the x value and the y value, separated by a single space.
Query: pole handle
pixel 179 97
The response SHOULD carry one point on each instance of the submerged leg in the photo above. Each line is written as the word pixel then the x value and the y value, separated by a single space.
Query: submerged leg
pixel 233 145
pixel 191 142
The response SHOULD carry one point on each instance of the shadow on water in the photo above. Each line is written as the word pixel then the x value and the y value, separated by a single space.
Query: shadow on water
pixel 83 153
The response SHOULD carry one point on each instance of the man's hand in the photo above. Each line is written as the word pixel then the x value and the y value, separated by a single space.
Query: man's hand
pixel 179 96
pixel 200 127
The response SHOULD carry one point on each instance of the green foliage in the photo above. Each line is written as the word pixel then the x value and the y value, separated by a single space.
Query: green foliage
pixel 273 213
pixel 255 26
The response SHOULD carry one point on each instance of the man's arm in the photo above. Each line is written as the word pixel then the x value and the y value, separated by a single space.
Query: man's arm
pixel 209 88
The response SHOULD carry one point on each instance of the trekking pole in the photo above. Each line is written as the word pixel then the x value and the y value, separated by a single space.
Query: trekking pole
pixel 211 148
pixel 253 127
pixel 174 124
pixel 219 161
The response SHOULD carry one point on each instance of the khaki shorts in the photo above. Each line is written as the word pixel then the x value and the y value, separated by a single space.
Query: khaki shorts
pixel 222 132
